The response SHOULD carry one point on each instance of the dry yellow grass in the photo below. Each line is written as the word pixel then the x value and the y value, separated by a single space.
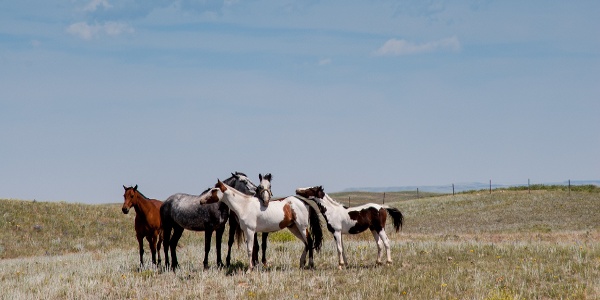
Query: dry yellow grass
pixel 509 245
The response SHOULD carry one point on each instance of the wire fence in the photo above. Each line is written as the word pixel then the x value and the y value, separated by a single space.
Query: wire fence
pixel 453 189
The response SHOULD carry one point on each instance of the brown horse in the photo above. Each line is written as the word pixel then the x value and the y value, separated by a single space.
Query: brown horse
pixel 147 221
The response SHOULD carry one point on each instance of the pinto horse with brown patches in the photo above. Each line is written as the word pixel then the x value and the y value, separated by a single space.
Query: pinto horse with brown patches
pixel 292 213
pixel 147 221
pixel 353 220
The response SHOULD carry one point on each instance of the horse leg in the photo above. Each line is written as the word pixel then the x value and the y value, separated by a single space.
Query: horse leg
pixel 207 238
pixel 177 231
pixel 298 233
pixel 233 225
pixel 379 243
pixel 140 239
pixel 152 243
pixel 249 244
pixel 255 249
pixel 340 249
pixel 166 240
pixel 386 242
pixel 219 237
pixel 158 244
pixel 265 237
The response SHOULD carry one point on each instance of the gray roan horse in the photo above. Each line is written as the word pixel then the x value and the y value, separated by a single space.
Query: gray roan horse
pixel 201 213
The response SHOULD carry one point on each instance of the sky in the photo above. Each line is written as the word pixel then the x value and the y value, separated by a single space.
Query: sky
pixel 171 95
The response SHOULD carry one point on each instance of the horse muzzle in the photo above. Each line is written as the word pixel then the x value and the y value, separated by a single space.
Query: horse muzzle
pixel 125 210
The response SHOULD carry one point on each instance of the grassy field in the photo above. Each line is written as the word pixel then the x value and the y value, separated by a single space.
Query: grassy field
pixel 505 245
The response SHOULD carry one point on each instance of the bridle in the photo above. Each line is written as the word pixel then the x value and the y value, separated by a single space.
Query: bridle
pixel 260 190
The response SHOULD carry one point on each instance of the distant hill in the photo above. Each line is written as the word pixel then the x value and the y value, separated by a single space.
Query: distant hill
pixel 459 187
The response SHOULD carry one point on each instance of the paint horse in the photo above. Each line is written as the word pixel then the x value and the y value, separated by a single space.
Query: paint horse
pixel 292 213
pixel 147 221
pixel 343 220
pixel 201 213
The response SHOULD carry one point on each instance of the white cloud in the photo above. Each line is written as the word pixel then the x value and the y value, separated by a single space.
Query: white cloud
pixel 117 28
pixel 82 30
pixel 394 47
pixel 87 31
pixel 324 61
pixel 92 6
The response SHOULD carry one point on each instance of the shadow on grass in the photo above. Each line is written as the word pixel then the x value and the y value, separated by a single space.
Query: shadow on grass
pixel 235 268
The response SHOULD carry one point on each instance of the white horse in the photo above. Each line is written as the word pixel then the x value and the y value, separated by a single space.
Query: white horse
pixel 353 220
pixel 292 213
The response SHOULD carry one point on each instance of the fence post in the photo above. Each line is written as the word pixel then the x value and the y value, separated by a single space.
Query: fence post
pixel 383 197
pixel 490 186
pixel 453 189
pixel 417 193
pixel 348 201
pixel 528 186
pixel 569 187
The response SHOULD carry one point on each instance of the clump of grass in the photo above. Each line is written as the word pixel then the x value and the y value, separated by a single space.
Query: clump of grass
pixel 282 236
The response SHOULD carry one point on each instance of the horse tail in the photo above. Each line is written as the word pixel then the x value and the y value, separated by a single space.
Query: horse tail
pixel 316 231
pixel 239 234
pixel 397 216
pixel 166 226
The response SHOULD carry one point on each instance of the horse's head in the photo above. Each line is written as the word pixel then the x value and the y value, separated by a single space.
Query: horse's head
pixel 215 195
pixel 263 191
pixel 242 183
pixel 220 186
pixel 311 192
pixel 129 198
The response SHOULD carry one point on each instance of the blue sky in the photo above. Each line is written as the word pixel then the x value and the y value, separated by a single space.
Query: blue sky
pixel 171 95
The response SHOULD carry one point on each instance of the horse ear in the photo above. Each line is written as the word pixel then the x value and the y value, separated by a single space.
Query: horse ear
pixel 124 187
pixel 221 186
pixel 259 177
pixel 268 176
pixel 135 188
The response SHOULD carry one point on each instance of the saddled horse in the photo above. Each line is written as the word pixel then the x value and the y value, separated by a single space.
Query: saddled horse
pixel 292 213
pixel 201 213
pixel 147 221
pixel 353 220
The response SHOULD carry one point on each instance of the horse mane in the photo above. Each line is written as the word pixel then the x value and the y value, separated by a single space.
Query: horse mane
pixel 143 196
pixel 333 201
pixel 205 191
pixel 238 192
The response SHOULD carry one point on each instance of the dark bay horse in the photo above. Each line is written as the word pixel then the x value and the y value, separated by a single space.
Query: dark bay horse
pixel 353 220
pixel 201 213
pixel 147 221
